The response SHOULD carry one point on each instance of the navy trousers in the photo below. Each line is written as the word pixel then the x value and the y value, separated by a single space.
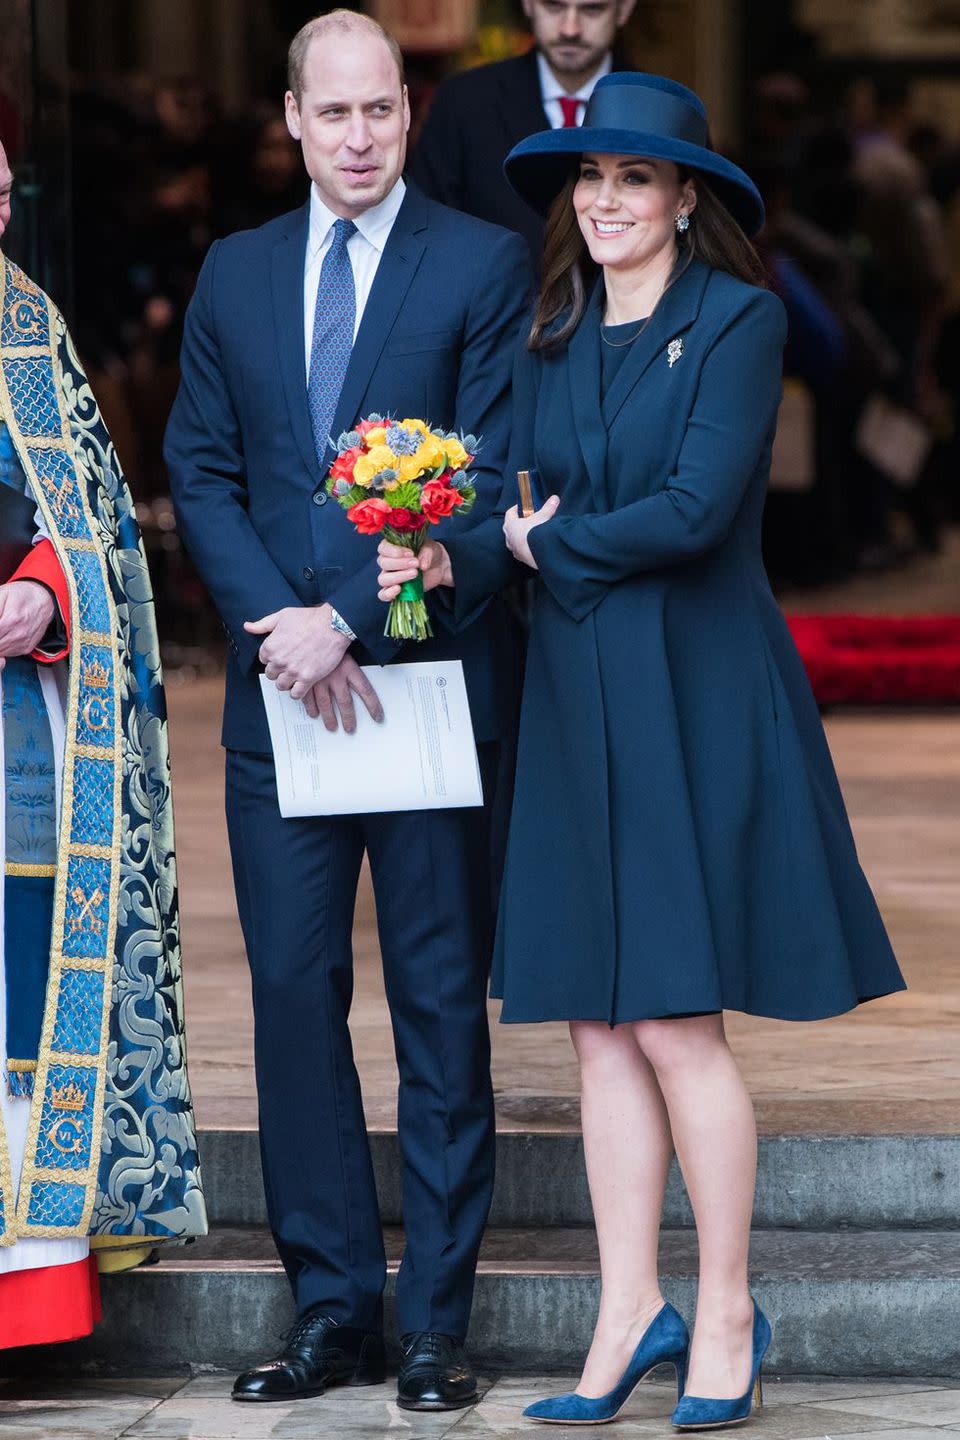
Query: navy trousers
pixel 296 883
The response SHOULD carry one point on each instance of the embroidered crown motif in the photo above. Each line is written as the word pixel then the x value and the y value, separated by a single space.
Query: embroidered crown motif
pixel 67 1097
pixel 674 351
pixel 96 676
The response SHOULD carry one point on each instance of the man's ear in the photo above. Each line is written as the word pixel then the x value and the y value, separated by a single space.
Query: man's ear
pixel 406 108
pixel 291 113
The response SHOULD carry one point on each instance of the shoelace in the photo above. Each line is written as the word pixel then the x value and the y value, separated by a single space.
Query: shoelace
pixel 304 1329
pixel 426 1344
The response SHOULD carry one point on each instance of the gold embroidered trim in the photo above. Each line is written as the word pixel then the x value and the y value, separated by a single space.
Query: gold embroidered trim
pixel 42 872
pixel 32 1173
pixel 70 1057
pixel 92 852
pixel 39 442
pixel 86 963
pixel 21 1067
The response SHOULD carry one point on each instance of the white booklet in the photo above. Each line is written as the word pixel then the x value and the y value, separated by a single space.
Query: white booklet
pixel 422 756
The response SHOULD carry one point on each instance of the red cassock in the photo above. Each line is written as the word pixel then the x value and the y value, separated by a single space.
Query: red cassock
pixel 53 1302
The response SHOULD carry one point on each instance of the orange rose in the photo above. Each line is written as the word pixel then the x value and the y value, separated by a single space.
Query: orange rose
pixel 369 516
pixel 439 500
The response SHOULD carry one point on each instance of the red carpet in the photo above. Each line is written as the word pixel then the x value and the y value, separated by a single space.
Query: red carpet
pixel 880 659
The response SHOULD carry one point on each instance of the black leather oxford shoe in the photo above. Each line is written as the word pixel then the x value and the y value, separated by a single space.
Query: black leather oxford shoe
pixel 435 1374
pixel 317 1353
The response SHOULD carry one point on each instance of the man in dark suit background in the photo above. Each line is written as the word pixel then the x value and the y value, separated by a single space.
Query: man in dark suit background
pixel 369 298
pixel 477 117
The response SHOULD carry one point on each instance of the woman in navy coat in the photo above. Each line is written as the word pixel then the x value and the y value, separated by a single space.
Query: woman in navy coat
pixel 678 843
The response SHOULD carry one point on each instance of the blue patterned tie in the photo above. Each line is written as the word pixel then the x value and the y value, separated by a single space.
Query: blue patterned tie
pixel 333 322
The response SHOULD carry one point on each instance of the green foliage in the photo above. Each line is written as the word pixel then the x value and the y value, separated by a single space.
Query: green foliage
pixel 406 496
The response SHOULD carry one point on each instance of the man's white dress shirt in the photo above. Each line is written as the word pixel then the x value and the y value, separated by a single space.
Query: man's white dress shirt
pixel 551 90
pixel 365 249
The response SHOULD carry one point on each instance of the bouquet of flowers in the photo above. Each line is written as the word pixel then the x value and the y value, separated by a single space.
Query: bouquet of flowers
pixel 397 477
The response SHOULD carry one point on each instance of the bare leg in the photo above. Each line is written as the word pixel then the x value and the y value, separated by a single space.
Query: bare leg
pixel 626 1139
pixel 714 1131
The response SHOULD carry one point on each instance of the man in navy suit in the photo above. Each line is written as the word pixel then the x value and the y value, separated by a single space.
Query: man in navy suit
pixel 478 116
pixel 370 298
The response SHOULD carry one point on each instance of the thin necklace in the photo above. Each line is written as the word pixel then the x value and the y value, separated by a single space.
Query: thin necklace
pixel 621 344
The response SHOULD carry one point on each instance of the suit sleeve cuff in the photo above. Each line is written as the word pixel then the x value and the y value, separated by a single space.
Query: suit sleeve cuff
pixel 357 602
pixel 43 566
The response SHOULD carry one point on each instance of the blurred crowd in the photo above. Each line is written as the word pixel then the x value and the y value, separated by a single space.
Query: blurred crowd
pixel 862 243
pixel 158 174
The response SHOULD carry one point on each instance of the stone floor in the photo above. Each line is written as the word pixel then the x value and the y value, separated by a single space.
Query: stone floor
pixel 892 1066
pixel 199 1409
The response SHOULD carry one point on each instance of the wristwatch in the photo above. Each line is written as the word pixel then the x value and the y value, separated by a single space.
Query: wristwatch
pixel 340 625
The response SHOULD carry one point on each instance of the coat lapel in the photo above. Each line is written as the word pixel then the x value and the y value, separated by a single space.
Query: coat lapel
pixel 398 265
pixel 677 310
pixel 583 370
pixel 287 280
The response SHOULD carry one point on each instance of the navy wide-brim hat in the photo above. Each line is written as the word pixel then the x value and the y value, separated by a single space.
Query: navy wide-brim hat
pixel 631 113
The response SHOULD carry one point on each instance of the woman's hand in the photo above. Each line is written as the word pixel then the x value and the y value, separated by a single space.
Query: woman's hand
pixel 398 565
pixel 516 529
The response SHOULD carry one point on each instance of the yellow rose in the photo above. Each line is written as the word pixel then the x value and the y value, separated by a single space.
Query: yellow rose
pixel 410 467
pixel 381 457
pixel 457 457
pixel 431 453
pixel 415 427
pixel 376 436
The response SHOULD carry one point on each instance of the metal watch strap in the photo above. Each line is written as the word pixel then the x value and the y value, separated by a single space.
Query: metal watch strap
pixel 340 625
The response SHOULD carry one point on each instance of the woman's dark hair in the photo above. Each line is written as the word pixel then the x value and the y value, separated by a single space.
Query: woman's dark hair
pixel 568 271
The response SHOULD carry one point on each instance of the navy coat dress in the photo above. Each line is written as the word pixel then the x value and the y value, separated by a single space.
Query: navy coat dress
pixel 678 839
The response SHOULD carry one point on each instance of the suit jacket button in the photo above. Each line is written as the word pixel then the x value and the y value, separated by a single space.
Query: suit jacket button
pixel 309 573
pixel 320 497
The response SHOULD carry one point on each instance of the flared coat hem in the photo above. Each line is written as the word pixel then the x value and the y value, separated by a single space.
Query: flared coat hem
pixel 515 1017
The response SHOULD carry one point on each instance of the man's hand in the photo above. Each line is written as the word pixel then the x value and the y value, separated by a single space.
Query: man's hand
pixel 516 530
pixel 26 610
pixel 301 648
pixel 397 565
pixel 336 692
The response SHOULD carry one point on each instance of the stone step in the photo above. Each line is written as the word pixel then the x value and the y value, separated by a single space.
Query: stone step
pixel 841 1303
pixel 811 1182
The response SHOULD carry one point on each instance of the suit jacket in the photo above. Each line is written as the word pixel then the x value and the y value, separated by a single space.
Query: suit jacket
pixel 436 341
pixel 474 121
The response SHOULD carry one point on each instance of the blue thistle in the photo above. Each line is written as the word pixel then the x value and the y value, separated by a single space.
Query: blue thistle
pixel 401 442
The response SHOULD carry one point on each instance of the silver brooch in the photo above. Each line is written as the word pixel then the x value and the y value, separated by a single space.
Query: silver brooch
pixel 674 351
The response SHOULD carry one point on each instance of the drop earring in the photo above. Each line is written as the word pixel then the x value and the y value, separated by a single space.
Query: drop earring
pixel 682 223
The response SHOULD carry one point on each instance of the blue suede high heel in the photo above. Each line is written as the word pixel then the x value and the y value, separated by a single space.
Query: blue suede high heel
pixel 695 1413
pixel 665 1341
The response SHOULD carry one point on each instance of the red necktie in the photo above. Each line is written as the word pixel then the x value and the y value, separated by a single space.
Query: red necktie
pixel 570 106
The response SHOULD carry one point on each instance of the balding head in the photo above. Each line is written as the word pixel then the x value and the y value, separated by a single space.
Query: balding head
pixel 329 27
pixel 6 190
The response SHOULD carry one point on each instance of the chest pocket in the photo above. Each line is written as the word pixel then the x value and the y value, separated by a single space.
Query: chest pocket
pixel 418 344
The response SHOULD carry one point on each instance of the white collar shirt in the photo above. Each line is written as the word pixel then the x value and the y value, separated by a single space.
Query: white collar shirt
pixel 365 249
pixel 551 90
